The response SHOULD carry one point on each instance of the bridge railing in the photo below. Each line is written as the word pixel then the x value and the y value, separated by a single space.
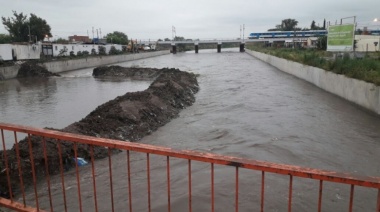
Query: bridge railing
pixel 21 163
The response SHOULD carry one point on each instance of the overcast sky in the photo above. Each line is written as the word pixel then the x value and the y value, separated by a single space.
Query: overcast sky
pixel 142 19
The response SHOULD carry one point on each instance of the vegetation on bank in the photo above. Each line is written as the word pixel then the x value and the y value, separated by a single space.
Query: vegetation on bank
pixel 366 68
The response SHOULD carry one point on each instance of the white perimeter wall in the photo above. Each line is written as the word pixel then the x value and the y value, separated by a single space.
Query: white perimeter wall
pixel 73 47
pixel 22 52
pixel 108 47
pixel 366 42
pixel 6 52
pixel 362 93
pixel 81 47
pixel 26 52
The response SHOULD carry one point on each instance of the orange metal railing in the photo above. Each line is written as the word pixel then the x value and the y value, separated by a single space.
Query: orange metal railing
pixel 36 139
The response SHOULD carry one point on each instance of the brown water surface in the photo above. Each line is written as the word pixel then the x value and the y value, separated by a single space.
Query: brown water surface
pixel 245 108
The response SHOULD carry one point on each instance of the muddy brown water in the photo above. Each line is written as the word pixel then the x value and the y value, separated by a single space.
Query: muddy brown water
pixel 245 108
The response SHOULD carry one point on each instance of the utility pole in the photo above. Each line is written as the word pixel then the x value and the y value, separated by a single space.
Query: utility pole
pixel 97 36
pixel 240 32
pixel 243 31
pixel 92 34
pixel 294 38
pixel 173 33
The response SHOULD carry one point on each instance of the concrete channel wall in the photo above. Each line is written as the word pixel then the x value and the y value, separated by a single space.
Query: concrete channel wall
pixel 68 65
pixel 362 93
pixel 8 72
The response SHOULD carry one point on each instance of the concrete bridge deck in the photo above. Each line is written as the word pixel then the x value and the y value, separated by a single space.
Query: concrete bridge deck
pixel 220 41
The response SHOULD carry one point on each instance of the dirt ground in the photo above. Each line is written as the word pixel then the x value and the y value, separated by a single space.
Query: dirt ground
pixel 128 117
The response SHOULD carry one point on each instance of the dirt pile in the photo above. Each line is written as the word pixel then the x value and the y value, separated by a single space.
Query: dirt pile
pixel 132 72
pixel 134 115
pixel 128 117
pixel 33 69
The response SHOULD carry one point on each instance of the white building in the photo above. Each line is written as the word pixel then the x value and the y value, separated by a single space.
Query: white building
pixel 366 43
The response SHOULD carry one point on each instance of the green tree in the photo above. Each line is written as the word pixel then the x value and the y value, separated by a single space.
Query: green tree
pixel 289 24
pixel 20 25
pixel 312 25
pixel 315 27
pixel 359 32
pixel 179 38
pixel 39 27
pixel 62 41
pixel 102 50
pixel 114 51
pixel 117 37
pixel 286 25
pixel 5 39
pixel 322 43
pixel 17 27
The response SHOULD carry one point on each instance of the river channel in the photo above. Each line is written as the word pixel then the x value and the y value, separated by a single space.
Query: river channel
pixel 245 108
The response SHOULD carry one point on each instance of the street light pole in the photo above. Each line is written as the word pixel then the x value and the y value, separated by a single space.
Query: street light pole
pixel 243 31
pixel 240 31
pixel 378 44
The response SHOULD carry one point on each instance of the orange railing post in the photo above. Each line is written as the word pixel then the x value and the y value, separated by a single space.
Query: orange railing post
pixel 378 201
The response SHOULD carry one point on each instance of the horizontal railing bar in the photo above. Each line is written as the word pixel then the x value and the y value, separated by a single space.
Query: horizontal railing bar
pixel 16 206
pixel 298 171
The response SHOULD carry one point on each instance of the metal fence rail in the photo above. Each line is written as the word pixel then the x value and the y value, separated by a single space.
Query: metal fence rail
pixel 320 176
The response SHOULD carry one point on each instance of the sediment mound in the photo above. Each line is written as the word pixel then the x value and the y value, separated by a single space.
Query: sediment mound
pixel 132 72
pixel 128 117
pixel 33 69
pixel 134 115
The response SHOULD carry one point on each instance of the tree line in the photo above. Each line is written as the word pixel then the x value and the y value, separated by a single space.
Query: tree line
pixel 291 25
pixel 24 28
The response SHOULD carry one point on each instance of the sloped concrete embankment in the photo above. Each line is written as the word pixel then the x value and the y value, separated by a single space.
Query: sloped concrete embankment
pixel 359 92
pixel 10 72
pixel 128 117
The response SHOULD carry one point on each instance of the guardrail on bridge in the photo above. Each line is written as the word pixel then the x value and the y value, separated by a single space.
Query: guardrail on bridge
pixel 37 141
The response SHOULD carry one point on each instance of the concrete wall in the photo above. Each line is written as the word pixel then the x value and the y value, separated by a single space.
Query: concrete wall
pixel 366 43
pixel 22 52
pixel 68 65
pixel 6 52
pixel 26 52
pixel 108 47
pixel 9 72
pixel 73 47
pixel 57 48
pixel 362 93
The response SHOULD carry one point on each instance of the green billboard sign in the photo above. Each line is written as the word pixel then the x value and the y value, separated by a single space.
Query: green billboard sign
pixel 341 37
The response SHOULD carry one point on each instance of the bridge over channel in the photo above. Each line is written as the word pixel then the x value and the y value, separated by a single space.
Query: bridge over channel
pixel 218 42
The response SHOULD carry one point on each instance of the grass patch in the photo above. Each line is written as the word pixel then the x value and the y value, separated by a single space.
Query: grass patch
pixel 366 69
